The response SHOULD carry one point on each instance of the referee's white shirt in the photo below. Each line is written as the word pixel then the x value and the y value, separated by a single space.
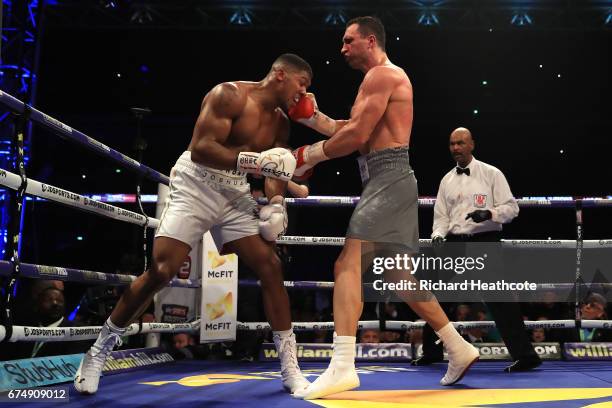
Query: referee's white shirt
pixel 485 188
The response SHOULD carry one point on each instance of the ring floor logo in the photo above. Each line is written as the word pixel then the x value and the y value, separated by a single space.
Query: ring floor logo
pixel 390 386
pixel 458 398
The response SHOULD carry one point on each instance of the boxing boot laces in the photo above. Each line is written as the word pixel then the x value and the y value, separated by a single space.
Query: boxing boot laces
pixel 88 375
pixel 292 377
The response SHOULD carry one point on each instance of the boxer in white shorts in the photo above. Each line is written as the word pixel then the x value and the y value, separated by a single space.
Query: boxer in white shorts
pixel 205 199
pixel 209 192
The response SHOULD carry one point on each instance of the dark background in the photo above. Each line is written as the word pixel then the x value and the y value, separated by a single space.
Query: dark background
pixel 526 116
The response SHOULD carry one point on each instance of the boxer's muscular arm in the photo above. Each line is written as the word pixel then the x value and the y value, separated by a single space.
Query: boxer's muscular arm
pixel 340 123
pixel 367 111
pixel 220 107
pixel 274 187
pixel 298 190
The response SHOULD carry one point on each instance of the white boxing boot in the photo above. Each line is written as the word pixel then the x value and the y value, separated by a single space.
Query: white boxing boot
pixel 89 372
pixel 292 377
pixel 461 354
pixel 339 376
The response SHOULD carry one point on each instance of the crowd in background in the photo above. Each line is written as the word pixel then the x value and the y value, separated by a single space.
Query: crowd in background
pixel 46 307
pixel 43 303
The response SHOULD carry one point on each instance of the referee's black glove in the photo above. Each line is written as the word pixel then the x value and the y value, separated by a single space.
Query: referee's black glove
pixel 479 215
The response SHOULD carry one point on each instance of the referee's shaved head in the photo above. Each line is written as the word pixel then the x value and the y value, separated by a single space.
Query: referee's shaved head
pixel 461 145
pixel 463 132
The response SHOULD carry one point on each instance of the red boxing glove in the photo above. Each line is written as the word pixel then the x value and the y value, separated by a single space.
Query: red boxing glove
pixel 302 168
pixel 298 153
pixel 307 157
pixel 304 109
pixel 308 114
pixel 304 176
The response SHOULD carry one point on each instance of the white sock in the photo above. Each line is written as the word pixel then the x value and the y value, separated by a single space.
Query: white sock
pixel 283 334
pixel 450 337
pixel 344 351
pixel 107 328
pixel 115 329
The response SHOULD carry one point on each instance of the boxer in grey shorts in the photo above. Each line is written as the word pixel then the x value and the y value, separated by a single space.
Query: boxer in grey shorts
pixel 389 188
pixel 380 126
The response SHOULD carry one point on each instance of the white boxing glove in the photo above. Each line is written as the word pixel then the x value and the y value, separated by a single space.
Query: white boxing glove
pixel 273 219
pixel 277 163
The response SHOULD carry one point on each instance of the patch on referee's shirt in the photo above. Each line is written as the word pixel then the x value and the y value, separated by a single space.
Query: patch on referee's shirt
pixel 480 200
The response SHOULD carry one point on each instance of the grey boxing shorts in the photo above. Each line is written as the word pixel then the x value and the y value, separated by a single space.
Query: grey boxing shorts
pixel 388 209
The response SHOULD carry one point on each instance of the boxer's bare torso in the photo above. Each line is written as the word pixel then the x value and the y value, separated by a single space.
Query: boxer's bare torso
pixel 236 115
pixel 394 127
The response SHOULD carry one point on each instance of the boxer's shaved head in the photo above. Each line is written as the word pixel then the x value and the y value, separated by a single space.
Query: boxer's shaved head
pixel 292 62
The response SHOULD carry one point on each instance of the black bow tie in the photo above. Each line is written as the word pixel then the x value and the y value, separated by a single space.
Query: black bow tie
pixel 460 171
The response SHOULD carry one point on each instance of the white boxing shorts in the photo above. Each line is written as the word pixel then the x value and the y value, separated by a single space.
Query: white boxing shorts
pixel 202 199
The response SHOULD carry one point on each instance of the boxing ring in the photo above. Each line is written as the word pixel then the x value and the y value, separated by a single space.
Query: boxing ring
pixel 164 381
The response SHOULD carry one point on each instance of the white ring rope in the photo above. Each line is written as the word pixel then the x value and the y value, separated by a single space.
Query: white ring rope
pixel 508 243
pixel 34 271
pixel 27 333
pixel 74 200
pixel 562 286
pixel 406 325
pixel 351 201
pixel 73 135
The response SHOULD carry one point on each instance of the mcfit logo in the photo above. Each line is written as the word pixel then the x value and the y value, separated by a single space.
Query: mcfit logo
pixel 220 307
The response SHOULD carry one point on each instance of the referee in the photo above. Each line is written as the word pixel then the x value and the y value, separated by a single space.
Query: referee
pixel 473 202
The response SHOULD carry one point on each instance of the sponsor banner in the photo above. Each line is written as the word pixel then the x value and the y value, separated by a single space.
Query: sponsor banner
pixel 324 201
pixel 41 371
pixel 157 328
pixel 363 352
pixel 179 305
pixel 56 123
pixel 129 360
pixel 498 351
pixel 74 200
pixel 292 284
pixel 505 243
pixel 26 333
pixel 96 143
pixel 219 294
pixel 128 159
pixel 588 351
pixel 79 275
pixel 37 372
pixel 300 240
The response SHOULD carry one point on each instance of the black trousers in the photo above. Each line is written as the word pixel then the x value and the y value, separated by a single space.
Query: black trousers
pixel 508 316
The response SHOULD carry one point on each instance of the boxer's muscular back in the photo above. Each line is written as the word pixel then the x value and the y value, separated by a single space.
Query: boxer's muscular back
pixel 395 126
pixel 232 116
